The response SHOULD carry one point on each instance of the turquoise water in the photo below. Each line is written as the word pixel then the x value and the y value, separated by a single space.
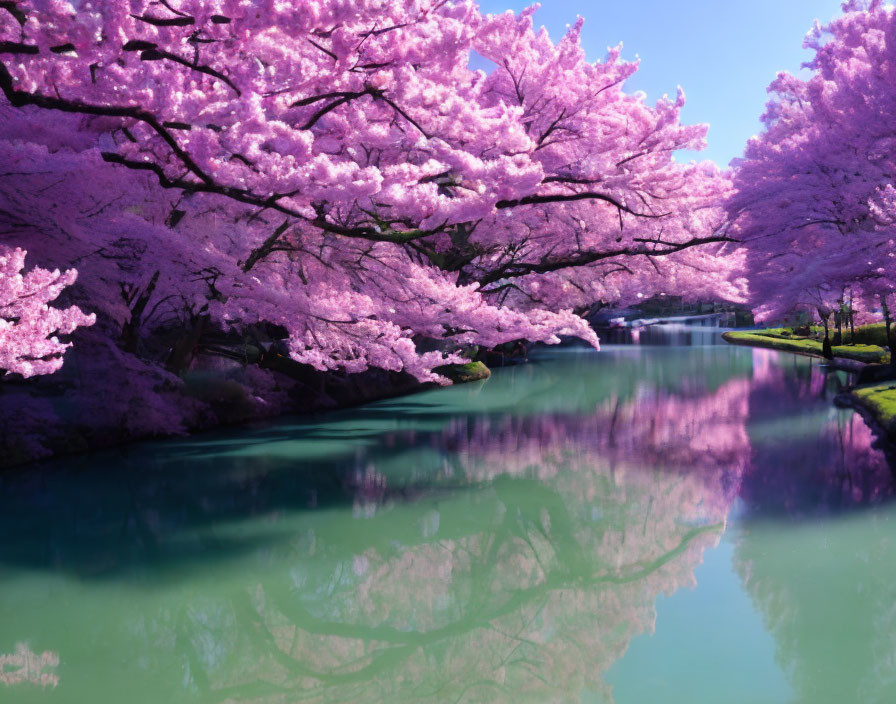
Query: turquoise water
pixel 643 524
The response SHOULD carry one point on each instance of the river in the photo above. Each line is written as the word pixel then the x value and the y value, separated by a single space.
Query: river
pixel 677 523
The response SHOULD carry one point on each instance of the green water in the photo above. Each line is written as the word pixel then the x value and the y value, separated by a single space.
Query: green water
pixel 644 524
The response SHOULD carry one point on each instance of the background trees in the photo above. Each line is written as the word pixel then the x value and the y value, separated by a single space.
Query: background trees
pixel 814 192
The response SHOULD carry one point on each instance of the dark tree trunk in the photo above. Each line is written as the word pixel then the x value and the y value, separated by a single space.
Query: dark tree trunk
pixel 826 350
pixel 891 341
pixel 838 318
pixel 137 301
pixel 184 349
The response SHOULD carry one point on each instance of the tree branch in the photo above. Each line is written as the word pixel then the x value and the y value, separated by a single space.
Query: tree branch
pixel 265 247
pixel 183 21
pixel 18 48
pixel 568 197
pixel 516 270
pixel 154 54
pixel 19 98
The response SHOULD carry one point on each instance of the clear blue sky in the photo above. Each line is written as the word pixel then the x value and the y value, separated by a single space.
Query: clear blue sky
pixel 722 52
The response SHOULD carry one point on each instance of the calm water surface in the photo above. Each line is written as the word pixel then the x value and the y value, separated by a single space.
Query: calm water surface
pixel 645 524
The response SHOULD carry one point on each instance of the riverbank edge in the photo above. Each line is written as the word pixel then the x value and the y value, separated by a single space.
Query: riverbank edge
pixel 845 362
pixel 69 441
pixel 876 403
pixel 878 413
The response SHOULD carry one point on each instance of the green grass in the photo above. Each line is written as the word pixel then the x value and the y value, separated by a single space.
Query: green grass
pixel 781 339
pixel 776 332
pixel 872 334
pixel 880 401
pixel 863 353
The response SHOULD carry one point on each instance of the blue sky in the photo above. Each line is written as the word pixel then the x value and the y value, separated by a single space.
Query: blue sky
pixel 722 52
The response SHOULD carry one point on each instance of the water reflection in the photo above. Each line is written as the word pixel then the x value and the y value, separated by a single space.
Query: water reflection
pixel 826 471
pixel 498 542
pixel 25 666
pixel 826 588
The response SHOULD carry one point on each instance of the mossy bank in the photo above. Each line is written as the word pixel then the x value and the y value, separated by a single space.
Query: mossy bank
pixel 785 340
pixel 878 402
pixel 464 373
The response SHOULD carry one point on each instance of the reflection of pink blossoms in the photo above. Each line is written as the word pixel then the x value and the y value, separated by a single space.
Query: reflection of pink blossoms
pixel 369 488
pixel 24 665
pixel 845 472
pixel 523 582
pixel 532 600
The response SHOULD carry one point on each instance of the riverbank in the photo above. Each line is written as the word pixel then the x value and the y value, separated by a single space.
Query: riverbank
pixel 876 402
pixel 104 398
pixel 783 339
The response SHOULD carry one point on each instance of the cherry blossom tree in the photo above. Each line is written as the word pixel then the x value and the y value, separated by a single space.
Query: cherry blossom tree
pixel 813 198
pixel 338 170
pixel 28 325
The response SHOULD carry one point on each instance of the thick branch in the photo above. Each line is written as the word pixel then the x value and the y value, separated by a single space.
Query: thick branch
pixel 567 197
pixel 265 247
pixel 271 202
pixel 153 54
pixel 183 21
pixel 19 98
pixel 516 270
pixel 18 48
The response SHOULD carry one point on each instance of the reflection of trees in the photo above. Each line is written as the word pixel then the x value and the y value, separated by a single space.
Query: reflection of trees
pixel 508 550
pixel 795 468
pixel 821 571
pixel 25 666
pixel 827 592
pixel 520 569
pixel 527 589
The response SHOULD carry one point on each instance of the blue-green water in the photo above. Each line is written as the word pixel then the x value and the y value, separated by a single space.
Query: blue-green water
pixel 643 524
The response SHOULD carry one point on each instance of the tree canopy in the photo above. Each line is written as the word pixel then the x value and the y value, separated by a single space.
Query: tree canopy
pixel 339 171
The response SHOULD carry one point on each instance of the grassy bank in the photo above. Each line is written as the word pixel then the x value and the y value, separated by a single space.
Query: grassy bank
pixel 785 340
pixel 879 401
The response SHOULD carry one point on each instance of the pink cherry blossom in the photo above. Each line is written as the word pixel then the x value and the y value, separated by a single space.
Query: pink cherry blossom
pixel 338 170
pixel 28 325
pixel 814 200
